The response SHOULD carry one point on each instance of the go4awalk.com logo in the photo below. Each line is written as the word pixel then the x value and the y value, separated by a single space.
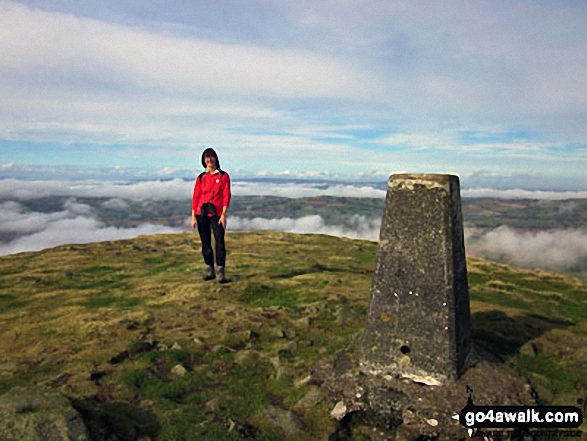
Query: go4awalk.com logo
pixel 518 417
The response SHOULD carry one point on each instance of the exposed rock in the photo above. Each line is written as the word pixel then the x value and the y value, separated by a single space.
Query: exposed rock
pixel 312 398
pixel 252 335
pixel 529 349
pixel 37 414
pixel 198 341
pixel 243 356
pixel 413 410
pixel 216 349
pixel 178 370
pixel 278 333
pixel 176 347
pixel 213 404
pixel 8 368
pixel 305 322
pixel 289 348
pixel 284 372
pixel 343 314
pixel 289 422
pixel 303 381
pixel 339 411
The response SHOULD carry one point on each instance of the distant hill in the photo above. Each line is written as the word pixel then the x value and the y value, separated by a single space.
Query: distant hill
pixel 131 332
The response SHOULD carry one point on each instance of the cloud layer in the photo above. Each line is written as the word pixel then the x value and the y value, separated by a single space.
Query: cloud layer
pixel 552 249
pixel 22 231
pixel 179 189
pixel 358 227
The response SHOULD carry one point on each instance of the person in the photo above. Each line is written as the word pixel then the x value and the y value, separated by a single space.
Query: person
pixel 209 206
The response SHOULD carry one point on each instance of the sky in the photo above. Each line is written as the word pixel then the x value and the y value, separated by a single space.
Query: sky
pixel 484 89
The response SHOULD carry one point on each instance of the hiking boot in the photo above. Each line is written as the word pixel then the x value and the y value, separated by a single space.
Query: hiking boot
pixel 209 273
pixel 221 275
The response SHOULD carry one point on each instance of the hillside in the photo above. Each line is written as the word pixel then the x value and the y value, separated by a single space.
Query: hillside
pixel 108 324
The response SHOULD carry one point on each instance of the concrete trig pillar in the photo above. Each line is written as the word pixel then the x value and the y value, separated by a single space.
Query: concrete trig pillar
pixel 419 320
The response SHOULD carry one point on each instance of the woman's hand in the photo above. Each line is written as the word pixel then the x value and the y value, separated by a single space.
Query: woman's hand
pixel 193 222
pixel 222 221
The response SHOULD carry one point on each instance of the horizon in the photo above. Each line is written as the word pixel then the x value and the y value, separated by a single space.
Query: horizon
pixel 490 91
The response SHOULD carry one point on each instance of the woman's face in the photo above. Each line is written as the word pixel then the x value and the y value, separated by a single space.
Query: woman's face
pixel 210 161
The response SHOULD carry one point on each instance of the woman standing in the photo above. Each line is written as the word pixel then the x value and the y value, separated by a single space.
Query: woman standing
pixel 209 205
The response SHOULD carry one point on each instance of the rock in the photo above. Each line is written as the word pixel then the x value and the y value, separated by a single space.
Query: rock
pixel 303 381
pixel 242 356
pixel 36 414
pixel 284 372
pixel 305 321
pixel 178 370
pixel 343 314
pixel 339 411
pixel 529 349
pixel 275 362
pixel 289 422
pixel 219 348
pixel 252 335
pixel 432 422
pixel 289 348
pixel 199 341
pixel 312 398
pixel 8 368
pixel 176 347
pixel 213 404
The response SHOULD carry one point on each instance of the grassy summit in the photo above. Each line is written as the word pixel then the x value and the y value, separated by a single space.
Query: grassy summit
pixel 131 332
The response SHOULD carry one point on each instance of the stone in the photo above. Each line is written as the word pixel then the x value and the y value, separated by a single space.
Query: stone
pixel 178 370
pixel 529 349
pixel 339 411
pixel 304 322
pixel 36 414
pixel 312 398
pixel 419 320
pixel 176 347
pixel 242 357
pixel 303 381
pixel 8 368
pixel 289 422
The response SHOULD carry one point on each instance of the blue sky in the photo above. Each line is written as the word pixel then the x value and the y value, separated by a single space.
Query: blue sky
pixel 493 88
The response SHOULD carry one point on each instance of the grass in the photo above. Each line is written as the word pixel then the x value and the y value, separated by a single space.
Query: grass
pixel 256 294
pixel 293 300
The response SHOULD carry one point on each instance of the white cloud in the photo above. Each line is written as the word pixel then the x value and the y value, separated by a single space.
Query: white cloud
pixel 518 193
pixel 358 227
pixel 179 189
pixel 34 40
pixel 176 189
pixel 304 190
pixel 36 231
pixel 115 204
pixel 550 249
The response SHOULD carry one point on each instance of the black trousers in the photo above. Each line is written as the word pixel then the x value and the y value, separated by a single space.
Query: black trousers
pixel 207 225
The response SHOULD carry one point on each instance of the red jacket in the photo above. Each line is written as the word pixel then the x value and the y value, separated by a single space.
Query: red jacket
pixel 214 188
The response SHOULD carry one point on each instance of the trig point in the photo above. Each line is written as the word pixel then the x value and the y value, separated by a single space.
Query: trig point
pixel 419 320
